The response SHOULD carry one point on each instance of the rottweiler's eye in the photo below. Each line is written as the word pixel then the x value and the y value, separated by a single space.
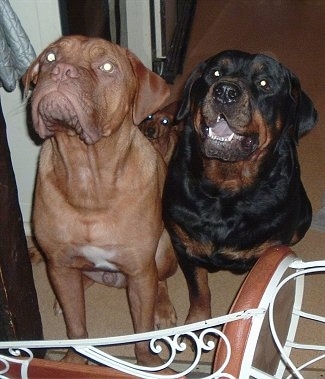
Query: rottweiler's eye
pixel 51 57
pixel 164 121
pixel 217 73
pixel 264 84
pixel 107 67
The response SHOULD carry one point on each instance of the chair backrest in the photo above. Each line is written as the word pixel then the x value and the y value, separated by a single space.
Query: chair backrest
pixel 243 335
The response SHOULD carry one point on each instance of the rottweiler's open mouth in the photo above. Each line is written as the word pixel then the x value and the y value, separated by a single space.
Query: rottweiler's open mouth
pixel 220 141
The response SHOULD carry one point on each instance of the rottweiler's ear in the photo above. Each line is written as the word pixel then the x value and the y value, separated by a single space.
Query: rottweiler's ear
pixel 306 114
pixel 30 77
pixel 152 90
pixel 186 102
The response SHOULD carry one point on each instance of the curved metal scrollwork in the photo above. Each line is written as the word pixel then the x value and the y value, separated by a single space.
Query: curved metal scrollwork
pixel 176 344
pixel 21 356
pixel 196 336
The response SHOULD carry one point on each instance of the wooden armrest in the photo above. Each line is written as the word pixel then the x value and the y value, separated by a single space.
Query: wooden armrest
pixel 248 297
pixel 46 369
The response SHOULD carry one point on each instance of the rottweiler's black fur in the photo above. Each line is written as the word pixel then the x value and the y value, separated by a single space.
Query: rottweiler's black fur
pixel 234 186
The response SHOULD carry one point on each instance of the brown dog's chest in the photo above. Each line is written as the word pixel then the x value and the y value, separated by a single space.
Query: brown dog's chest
pixel 94 206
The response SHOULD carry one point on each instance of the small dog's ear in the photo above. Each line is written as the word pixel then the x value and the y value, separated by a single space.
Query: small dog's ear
pixel 306 114
pixel 186 103
pixel 172 108
pixel 30 77
pixel 152 90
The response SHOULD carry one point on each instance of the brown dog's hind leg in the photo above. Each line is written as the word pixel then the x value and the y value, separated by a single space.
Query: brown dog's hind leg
pixel 165 314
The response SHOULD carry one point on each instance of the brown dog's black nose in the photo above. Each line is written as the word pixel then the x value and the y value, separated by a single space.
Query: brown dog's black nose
pixel 226 93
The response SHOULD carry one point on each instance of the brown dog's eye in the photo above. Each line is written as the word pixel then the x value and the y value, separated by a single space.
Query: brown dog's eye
pixel 107 67
pixel 51 57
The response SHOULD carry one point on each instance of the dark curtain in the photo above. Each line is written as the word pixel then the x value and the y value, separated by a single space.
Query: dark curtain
pixel 19 313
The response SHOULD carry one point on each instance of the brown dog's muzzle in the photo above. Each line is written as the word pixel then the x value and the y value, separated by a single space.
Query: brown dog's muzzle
pixel 225 122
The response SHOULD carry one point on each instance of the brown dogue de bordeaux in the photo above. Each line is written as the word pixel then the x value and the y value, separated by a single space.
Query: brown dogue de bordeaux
pixel 97 209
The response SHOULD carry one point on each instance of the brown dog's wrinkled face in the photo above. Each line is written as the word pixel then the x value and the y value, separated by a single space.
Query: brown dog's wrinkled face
pixel 241 103
pixel 86 86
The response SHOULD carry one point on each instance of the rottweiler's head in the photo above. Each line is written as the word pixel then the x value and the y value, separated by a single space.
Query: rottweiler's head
pixel 241 103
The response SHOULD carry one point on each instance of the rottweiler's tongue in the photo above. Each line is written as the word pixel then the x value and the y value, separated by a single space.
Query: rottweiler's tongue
pixel 221 131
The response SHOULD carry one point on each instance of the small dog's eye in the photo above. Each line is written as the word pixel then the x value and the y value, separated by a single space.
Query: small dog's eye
pixel 217 73
pixel 164 121
pixel 107 67
pixel 51 57
pixel 150 117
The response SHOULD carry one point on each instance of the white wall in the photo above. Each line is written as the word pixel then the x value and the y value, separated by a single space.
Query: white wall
pixel 138 29
pixel 41 21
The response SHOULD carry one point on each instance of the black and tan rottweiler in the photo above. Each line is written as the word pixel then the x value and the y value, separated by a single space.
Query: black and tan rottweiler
pixel 234 186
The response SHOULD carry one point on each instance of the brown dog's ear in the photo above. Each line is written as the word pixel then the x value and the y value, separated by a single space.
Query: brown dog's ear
pixel 152 90
pixel 306 114
pixel 30 77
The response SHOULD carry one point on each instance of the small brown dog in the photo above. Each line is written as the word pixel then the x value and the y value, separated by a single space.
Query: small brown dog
pixel 97 209
pixel 162 130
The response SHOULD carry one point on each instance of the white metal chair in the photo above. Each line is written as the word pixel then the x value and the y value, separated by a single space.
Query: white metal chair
pixel 261 346
pixel 255 340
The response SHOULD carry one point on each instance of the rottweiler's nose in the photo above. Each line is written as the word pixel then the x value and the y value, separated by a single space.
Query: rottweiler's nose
pixel 226 93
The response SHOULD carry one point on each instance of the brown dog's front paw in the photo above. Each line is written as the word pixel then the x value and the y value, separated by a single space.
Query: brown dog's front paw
pixel 146 358
pixel 72 357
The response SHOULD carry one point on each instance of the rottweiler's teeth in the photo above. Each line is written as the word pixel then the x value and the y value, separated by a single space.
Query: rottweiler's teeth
pixel 231 137
pixel 222 139
pixel 210 133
